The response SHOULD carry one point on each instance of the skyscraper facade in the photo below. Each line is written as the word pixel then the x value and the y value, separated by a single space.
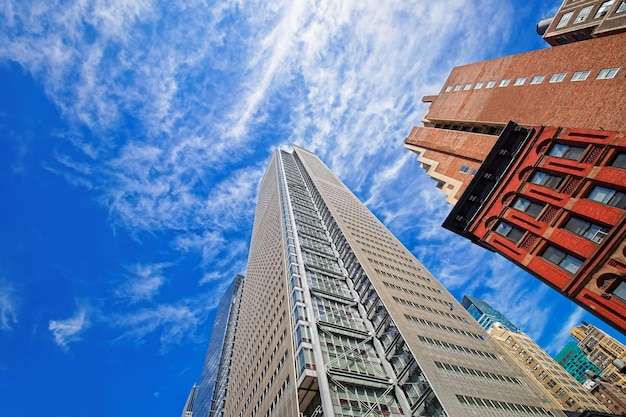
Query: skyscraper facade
pixel 338 318
pixel 213 385
pixel 486 315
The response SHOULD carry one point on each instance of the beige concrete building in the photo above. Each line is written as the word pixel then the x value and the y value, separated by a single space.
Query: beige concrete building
pixel 602 350
pixel 548 375
pixel 338 318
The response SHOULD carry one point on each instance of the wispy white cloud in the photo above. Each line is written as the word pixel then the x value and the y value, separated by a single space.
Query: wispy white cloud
pixel 183 102
pixel 8 306
pixel 143 282
pixel 70 330
pixel 563 335
pixel 170 323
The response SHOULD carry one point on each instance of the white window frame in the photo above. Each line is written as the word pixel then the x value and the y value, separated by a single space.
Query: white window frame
pixel 583 14
pixel 467 86
pixel 607 73
pixel 604 8
pixel 505 82
pixel 491 84
pixel 478 85
pixel 537 79
pixel 520 81
pixel 457 87
pixel 448 89
pixel 464 169
pixel 581 75
pixel 558 77
pixel 565 20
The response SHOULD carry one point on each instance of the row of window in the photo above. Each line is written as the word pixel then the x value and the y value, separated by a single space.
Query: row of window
pixel 584 13
pixel 603 74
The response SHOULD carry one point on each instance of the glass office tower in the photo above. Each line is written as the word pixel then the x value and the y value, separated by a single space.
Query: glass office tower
pixel 338 318
pixel 213 385
pixel 486 315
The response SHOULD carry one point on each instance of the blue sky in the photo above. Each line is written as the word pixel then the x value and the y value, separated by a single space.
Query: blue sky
pixel 133 135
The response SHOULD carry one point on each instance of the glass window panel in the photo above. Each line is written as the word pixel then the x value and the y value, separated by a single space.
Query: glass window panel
pixel 620 290
pixel 619 161
pixel 566 151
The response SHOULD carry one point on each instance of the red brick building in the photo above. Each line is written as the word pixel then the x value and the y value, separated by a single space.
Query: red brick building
pixel 553 201
pixel 550 199
pixel 581 84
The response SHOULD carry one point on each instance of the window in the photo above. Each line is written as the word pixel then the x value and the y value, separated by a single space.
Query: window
pixel 474 171
pixel 620 290
pixel 512 233
pixel 552 383
pixel 564 20
pixel 582 15
pixel 546 180
pixel 448 89
pixel 580 76
pixel 562 259
pixel 505 82
pixel 457 87
pixel 621 8
pixel 464 169
pixel 491 84
pixel 588 230
pixel 478 85
pixel 620 160
pixel 467 86
pixel 607 73
pixel 604 8
pixel 537 79
pixel 529 207
pixel 608 196
pixel 557 78
pixel 520 81
pixel 561 150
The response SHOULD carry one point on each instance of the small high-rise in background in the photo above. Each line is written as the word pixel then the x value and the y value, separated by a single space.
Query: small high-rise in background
pixel 604 351
pixel 545 372
pixel 213 385
pixel 337 318
pixel 191 399
pixel 575 362
pixel 486 315
pixel 531 150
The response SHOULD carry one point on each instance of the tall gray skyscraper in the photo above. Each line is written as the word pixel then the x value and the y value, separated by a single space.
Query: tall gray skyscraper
pixel 215 372
pixel 337 317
